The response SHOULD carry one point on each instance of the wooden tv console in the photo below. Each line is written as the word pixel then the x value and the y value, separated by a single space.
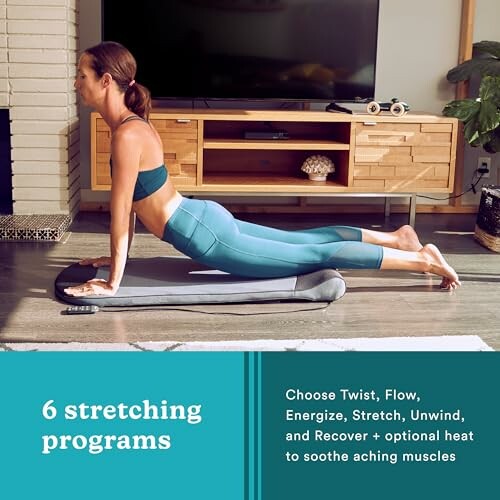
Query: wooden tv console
pixel 382 155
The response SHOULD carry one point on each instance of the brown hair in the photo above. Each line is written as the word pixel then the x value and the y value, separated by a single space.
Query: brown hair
pixel 115 59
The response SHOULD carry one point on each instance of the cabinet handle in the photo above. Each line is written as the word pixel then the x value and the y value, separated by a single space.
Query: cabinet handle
pixel 183 120
pixel 372 124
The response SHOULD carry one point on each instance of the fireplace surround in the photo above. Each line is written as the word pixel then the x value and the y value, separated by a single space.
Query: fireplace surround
pixel 36 93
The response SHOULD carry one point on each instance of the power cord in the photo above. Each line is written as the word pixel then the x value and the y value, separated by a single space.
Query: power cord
pixel 472 188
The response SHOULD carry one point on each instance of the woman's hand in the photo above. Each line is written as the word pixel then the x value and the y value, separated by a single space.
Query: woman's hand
pixel 91 287
pixel 96 262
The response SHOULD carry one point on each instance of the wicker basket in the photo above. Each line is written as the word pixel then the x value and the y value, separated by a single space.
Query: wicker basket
pixel 487 230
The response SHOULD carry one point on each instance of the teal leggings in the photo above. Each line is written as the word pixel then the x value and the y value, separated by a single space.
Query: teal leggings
pixel 208 233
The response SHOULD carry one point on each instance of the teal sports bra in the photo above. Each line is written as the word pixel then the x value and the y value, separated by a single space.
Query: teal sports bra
pixel 148 181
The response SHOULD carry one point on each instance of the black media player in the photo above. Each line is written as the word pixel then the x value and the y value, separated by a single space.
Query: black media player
pixel 266 135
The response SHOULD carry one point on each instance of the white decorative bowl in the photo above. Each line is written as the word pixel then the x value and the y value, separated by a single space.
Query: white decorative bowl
pixel 317 167
pixel 317 177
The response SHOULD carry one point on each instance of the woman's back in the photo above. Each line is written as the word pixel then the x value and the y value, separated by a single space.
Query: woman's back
pixel 155 197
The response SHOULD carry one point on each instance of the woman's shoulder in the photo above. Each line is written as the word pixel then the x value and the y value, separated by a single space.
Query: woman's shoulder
pixel 133 118
pixel 131 129
pixel 136 136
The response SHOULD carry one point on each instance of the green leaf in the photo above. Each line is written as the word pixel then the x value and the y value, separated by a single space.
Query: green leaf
pixel 489 118
pixel 481 117
pixel 489 89
pixel 471 133
pixel 486 61
pixel 493 146
pixel 463 109
pixel 490 67
pixel 488 47
pixel 465 70
pixel 484 138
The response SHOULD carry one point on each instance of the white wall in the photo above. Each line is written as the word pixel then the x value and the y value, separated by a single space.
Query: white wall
pixel 418 42
pixel 487 22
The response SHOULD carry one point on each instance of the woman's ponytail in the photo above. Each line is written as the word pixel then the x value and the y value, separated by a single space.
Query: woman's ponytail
pixel 138 100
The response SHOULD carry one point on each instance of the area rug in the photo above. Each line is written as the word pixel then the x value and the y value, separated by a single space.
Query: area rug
pixel 442 343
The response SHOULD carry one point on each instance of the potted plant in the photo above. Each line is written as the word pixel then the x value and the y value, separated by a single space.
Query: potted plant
pixel 480 115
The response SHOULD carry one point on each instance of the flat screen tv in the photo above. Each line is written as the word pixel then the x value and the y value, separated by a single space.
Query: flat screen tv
pixel 280 50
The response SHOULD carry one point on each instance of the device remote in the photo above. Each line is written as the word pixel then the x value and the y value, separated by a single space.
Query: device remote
pixel 82 310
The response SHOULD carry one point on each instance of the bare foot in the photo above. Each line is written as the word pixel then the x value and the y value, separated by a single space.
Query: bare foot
pixel 407 239
pixel 438 265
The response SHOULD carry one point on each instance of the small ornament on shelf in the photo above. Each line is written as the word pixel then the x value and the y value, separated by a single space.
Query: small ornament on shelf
pixel 317 167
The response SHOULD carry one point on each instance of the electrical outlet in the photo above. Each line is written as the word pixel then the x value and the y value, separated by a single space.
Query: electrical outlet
pixel 484 166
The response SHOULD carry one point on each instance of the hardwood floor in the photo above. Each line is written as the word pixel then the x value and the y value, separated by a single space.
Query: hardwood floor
pixel 377 304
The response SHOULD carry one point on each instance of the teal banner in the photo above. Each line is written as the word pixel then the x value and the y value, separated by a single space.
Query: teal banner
pixel 380 425
pixel 122 426
pixel 249 426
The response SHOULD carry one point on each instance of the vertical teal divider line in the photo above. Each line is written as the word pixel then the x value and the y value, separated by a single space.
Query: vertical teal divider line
pixel 255 435
pixel 253 426
pixel 249 427
pixel 258 441
pixel 246 409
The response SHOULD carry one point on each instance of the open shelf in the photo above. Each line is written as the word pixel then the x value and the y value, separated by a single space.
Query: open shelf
pixel 269 167
pixel 268 183
pixel 336 134
pixel 286 144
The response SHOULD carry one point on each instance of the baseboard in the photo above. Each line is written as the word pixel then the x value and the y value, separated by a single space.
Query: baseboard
pixel 88 206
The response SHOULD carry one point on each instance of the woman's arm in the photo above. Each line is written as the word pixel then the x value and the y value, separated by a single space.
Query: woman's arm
pixel 126 152
pixel 126 158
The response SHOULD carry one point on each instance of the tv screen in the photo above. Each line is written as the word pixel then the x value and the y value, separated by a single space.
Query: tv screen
pixel 291 50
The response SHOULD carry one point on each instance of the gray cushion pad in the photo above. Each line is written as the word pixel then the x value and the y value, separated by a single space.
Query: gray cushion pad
pixel 179 280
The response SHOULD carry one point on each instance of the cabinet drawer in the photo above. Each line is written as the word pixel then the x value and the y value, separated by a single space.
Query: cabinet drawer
pixel 180 146
pixel 403 134
pixel 403 156
pixel 176 129
pixel 100 174
pixel 402 177
pixel 180 151
pixel 103 141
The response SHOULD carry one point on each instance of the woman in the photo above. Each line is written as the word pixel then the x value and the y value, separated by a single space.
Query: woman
pixel 204 230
